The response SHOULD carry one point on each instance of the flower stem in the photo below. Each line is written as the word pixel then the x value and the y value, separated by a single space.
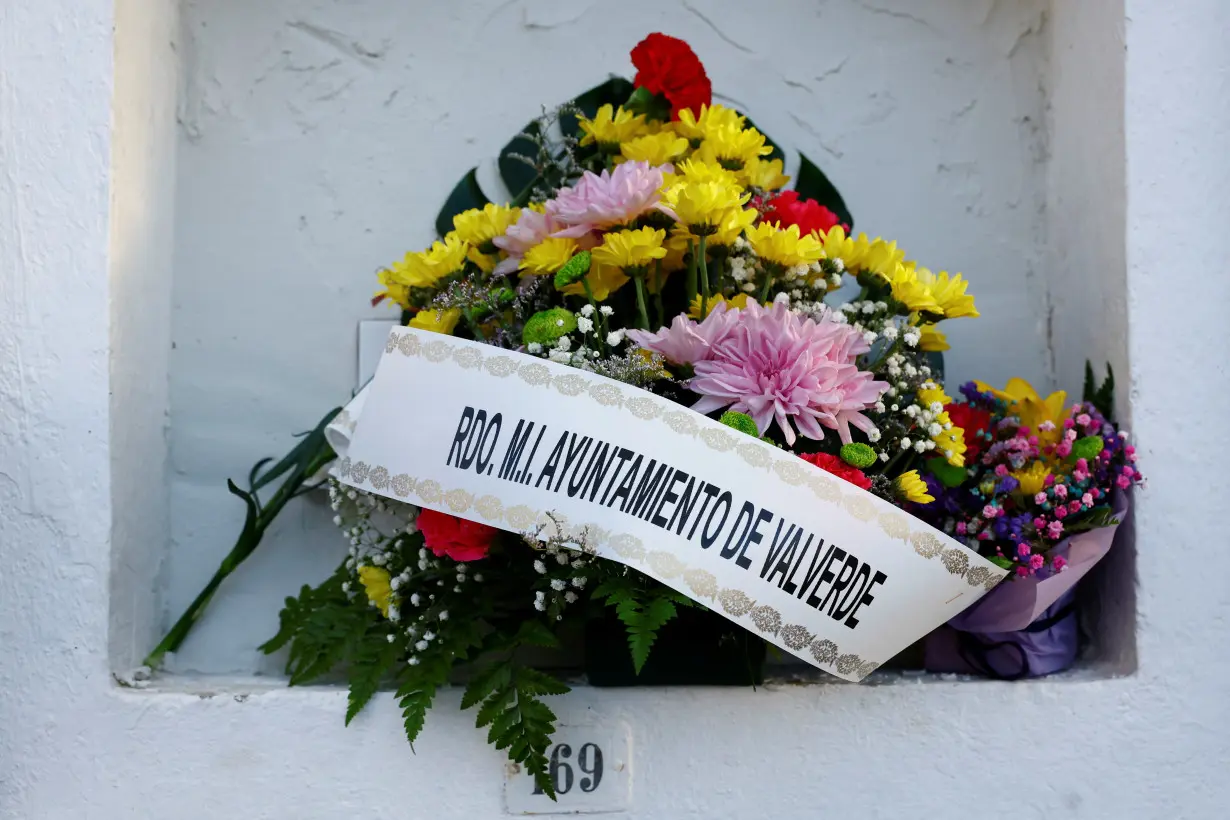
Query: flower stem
pixel 657 297
pixel 259 519
pixel 643 314
pixel 769 270
pixel 704 279
pixel 691 281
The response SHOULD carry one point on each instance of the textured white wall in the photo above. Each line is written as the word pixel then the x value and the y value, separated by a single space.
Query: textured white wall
pixel 1152 745
pixel 142 220
pixel 319 139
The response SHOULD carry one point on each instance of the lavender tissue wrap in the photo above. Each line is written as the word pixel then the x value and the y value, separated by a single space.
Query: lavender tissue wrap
pixel 1025 627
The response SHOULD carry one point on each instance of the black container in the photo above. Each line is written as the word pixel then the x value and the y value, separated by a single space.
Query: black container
pixel 696 648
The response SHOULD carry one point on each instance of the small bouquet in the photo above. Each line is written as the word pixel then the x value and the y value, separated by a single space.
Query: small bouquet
pixel 741 396
pixel 1046 487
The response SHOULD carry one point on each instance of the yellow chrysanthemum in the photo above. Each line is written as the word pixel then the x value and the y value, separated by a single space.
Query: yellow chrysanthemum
pixel 479 226
pixel 548 256
pixel 486 262
pixel 931 393
pixel 909 291
pixel 932 339
pixel 702 206
pixel 603 280
pixel 712 117
pixel 738 301
pixel 733 224
pixel 630 248
pixel 949 293
pixel 1043 417
pixel 913 488
pixel 697 170
pixel 656 149
pixel 437 321
pixel 765 174
pixel 393 290
pixel 950 441
pixel 849 250
pixel 1032 478
pixel 425 268
pixel 733 147
pixel 784 246
pixel 884 258
pixel 611 127
pixel 375 582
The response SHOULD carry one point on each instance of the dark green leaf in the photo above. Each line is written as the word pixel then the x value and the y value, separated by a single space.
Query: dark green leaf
pixel 1000 561
pixel 536 633
pixel 372 659
pixel 517 175
pixel 949 475
pixel 303 454
pixel 812 183
pixel 466 195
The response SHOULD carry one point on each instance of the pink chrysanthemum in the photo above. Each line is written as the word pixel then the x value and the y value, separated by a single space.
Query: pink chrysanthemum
pixel 773 365
pixel 529 230
pixel 608 199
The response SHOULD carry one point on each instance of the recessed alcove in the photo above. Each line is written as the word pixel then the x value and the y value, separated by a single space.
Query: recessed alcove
pixel 280 152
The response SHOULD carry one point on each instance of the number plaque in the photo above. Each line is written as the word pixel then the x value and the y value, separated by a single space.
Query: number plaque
pixel 589 766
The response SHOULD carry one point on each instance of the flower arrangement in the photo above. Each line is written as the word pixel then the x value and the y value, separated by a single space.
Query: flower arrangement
pixel 649 239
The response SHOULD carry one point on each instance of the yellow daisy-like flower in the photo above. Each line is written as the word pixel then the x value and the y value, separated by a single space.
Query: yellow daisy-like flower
pixel 479 226
pixel 1043 417
pixel 932 339
pixel 1032 478
pixel 375 582
pixel 393 290
pixel 630 248
pixel 738 301
pixel 697 170
pixel 548 256
pixel 884 258
pixel 913 488
pixel 765 174
pixel 733 147
pixel 702 206
pixel 611 127
pixel 656 149
pixel 909 291
pixel 603 280
pixel 733 224
pixel 931 393
pixel 784 246
pixel 849 250
pixel 437 321
pixel 425 268
pixel 950 441
pixel 949 293
pixel 711 118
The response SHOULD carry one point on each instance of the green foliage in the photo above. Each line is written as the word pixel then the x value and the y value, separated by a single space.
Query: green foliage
pixel 418 684
pixel 948 475
pixel 741 422
pixel 1101 396
pixel 1094 519
pixel 644 607
pixel 508 696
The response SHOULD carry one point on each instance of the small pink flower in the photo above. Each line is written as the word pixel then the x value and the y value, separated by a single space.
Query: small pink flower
pixel 1023 572
pixel 1001 470
pixel 1123 482
pixel 1040 498
pixel 1039 522
pixel 1061 490
pixel 960 528
pixel 990 511
pixel 1074 507
pixel 1070 435
pixel 1036 562
pixel 1061 512
pixel 1022 550
pixel 1067 424
pixel 1054 529
pixel 774 365
pixel 1060 563
pixel 608 199
pixel 1047 426
pixel 1063 449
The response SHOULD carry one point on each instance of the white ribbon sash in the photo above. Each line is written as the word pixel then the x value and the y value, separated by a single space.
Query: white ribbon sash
pixel 823 569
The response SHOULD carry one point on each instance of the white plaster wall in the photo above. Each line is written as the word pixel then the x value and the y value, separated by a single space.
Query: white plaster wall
pixel 72 744
pixel 319 138
pixel 142 220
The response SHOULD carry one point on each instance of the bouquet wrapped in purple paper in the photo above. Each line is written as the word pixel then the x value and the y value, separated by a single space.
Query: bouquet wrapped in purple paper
pixel 1042 492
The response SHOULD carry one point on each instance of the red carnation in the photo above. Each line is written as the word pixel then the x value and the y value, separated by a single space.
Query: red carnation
pixel 974 421
pixel 668 66
pixel 833 464
pixel 457 538
pixel 788 209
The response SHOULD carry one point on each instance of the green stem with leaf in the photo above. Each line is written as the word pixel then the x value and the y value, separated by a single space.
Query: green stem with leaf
pixel 303 462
